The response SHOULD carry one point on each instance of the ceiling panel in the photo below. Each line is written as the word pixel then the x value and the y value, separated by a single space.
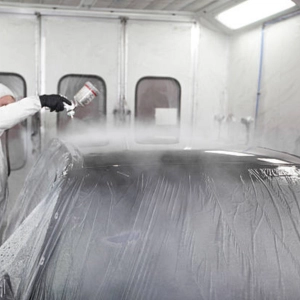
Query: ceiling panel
pixel 102 3
pixel 158 4
pixel 71 2
pixel 31 1
pixel 178 5
pixel 14 1
pixel 121 4
pixel 47 2
pixel 166 5
pixel 193 6
pixel 137 4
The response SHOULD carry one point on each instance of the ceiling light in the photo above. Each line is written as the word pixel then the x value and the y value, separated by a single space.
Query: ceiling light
pixel 228 153
pixel 251 11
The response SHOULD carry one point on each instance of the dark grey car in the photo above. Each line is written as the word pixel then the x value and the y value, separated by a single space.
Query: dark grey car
pixel 156 225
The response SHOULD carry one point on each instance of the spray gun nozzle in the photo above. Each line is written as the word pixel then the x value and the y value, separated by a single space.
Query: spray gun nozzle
pixel 71 113
pixel 70 109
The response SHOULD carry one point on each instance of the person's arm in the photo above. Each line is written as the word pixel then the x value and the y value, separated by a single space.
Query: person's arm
pixel 17 112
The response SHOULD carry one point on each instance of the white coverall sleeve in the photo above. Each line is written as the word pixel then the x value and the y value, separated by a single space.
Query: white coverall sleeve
pixel 17 112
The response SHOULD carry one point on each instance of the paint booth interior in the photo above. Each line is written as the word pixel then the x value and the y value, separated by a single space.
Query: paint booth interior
pixel 169 77
pixel 210 87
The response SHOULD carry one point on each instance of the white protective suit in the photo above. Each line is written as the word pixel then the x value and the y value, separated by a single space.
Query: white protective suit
pixel 11 115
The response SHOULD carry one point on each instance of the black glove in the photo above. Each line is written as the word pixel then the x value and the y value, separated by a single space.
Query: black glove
pixel 54 102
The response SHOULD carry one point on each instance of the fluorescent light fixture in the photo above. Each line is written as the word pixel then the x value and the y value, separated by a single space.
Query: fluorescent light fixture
pixel 228 153
pixel 251 11
pixel 273 161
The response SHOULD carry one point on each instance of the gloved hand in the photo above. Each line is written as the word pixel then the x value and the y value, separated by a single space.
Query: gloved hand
pixel 54 102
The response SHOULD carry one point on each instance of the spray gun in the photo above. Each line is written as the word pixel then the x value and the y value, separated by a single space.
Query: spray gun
pixel 83 97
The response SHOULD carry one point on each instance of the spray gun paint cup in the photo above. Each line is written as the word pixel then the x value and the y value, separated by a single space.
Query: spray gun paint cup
pixel 86 94
pixel 83 97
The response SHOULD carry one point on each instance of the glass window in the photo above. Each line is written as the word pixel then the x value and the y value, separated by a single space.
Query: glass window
pixel 15 142
pixel 157 110
pixel 92 114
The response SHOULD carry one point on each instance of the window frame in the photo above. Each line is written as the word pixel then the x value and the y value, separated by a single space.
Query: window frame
pixel 178 108
pixel 75 75
pixel 155 78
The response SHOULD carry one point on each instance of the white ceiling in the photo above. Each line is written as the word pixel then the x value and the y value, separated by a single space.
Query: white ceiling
pixel 193 6
pixel 207 9
pixel 179 6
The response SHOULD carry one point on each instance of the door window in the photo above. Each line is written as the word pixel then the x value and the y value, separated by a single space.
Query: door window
pixel 157 110
pixel 94 112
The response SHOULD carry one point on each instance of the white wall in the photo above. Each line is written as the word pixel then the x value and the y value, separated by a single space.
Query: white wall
pixel 18 55
pixel 279 108
pixel 226 69
pixel 211 91
pixel 162 49
pixel 243 70
pixel 79 46
pixel 153 49
pixel 18 47
pixel 92 46
pixel 277 123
